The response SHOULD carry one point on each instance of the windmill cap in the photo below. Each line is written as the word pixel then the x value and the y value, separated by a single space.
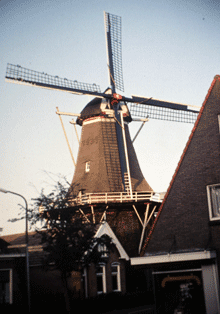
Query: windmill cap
pixel 96 107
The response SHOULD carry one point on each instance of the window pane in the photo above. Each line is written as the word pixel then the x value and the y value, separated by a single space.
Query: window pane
pixel 4 275
pixel 87 166
pixel 4 286
pixel 215 195
pixel 114 269
pixel 99 270
pixel 114 282
pixel 4 292
pixel 99 284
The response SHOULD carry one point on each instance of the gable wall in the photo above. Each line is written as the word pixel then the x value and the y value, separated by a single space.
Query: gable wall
pixel 184 214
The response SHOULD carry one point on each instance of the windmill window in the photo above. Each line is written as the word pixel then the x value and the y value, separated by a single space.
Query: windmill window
pixel 87 168
pixel 101 278
pixel 116 278
pixel 213 194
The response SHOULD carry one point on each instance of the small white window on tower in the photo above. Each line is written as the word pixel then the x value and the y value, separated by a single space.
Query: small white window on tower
pixel 87 169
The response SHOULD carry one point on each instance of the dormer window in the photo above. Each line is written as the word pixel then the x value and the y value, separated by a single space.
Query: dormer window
pixel 87 168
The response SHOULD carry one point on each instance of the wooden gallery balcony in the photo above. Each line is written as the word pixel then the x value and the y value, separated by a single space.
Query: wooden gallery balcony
pixel 115 197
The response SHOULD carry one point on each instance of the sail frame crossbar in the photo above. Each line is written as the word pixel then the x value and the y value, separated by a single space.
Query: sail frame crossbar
pixel 24 75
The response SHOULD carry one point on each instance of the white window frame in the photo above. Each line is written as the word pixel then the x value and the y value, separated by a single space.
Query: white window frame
pixel 212 207
pixel 219 122
pixel 10 285
pixel 87 167
pixel 118 275
pixel 102 248
pixel 103 275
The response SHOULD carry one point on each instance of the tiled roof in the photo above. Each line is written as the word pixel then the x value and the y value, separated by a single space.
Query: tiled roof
pixel 20 238
pixel 17 244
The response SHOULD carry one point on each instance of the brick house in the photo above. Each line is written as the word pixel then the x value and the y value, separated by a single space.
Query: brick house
pixel 96 279
pixel 182 249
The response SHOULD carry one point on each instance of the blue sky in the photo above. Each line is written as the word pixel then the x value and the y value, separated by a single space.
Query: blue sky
pixel 170 51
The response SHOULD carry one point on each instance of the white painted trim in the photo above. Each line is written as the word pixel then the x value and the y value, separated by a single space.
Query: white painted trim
pixel 176 271
pixel 170 258
pixel 208 188
pixel 11 286
pixel 216 279
pixel 105 229
pixel 103 276
pixel 97 119
pixel 118 274
pixel 12 255
pixel 211 289
pixel 85 275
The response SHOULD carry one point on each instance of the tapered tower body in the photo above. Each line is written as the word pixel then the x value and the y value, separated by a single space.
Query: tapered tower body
pixel 99 167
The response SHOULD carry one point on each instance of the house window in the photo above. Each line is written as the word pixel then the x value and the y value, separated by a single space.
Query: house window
pixel 116 278
pixel 213 193
pixel 219 122
pixel 87 168
pixel 103 250
pixel 5 286
pixel 101 279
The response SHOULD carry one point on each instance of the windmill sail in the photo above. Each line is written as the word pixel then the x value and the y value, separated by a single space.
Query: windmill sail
pixel 21 75
pixel 162 110
pixel 114 50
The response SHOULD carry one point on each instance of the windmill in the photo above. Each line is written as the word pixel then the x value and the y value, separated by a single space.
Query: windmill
pixel 107 173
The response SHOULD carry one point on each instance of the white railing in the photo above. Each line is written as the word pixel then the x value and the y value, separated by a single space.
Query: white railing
pixel 115 197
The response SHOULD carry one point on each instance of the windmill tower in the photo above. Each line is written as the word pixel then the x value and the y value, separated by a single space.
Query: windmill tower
pixel 108 182
pixel 100 165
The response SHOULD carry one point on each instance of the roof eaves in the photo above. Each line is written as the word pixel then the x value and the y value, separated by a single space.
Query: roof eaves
pixel 217 77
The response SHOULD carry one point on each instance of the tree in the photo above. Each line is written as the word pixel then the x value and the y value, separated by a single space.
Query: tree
pixel 68 240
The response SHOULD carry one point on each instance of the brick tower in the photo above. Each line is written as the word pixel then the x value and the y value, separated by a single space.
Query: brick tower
pixel 98 188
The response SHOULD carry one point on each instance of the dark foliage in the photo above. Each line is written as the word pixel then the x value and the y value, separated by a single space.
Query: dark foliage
pixel 67 239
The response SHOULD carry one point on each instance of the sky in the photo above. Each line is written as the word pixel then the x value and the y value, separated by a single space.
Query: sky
pixel 170 51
